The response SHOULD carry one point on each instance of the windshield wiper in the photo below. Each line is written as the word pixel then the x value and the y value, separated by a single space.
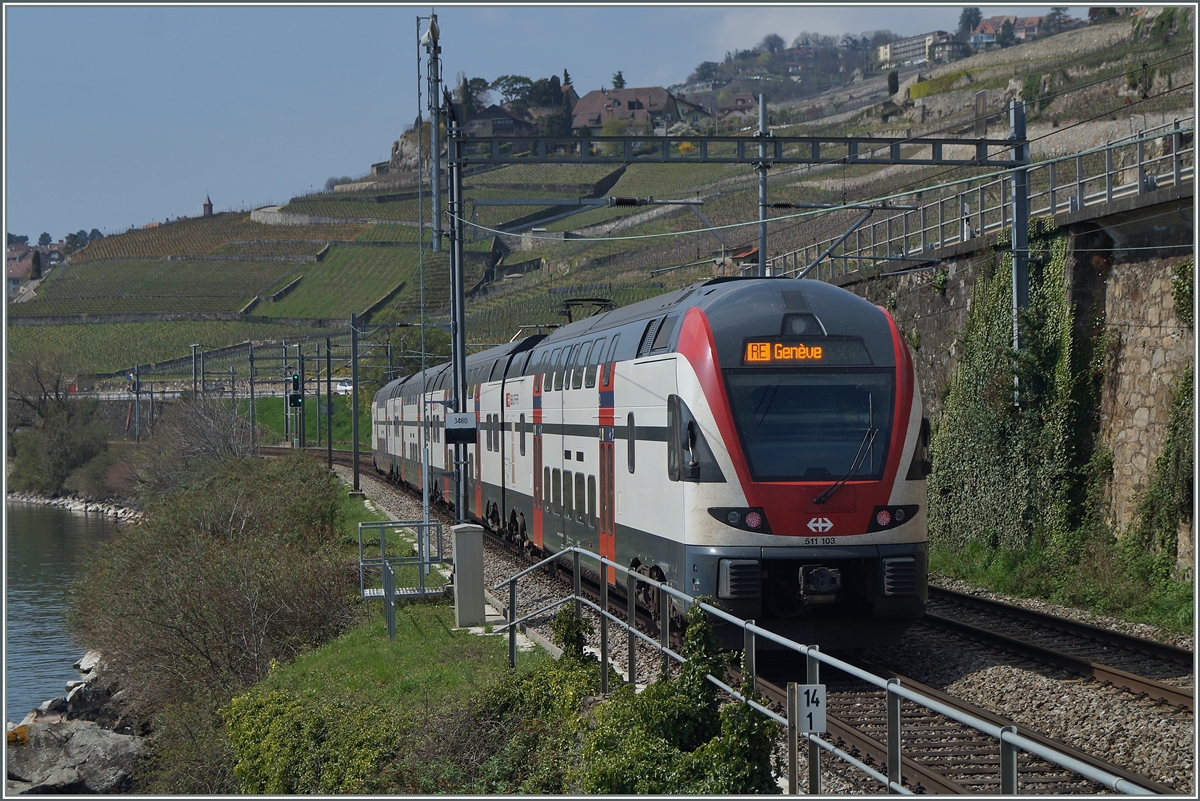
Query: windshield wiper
pixel 864 448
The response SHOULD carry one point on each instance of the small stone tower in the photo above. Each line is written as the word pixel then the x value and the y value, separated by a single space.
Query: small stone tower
pixel 207 206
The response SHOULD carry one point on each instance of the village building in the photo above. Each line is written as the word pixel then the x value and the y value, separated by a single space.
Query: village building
pixel 651 108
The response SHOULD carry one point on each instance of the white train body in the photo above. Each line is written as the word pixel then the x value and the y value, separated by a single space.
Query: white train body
pixel 757 440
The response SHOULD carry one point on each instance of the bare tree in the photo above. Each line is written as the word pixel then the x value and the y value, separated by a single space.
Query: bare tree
pixel 193 439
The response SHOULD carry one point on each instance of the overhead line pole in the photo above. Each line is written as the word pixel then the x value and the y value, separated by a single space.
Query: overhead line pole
pixel 762 167
pixel 458 323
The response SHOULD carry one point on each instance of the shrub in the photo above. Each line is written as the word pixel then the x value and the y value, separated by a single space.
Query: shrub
pixel 194 604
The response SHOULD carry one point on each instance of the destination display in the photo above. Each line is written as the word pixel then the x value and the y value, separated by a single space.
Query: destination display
pixel 766 352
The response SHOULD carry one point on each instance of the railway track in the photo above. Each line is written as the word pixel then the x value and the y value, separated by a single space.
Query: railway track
pixel 941 756
pixel 1143 667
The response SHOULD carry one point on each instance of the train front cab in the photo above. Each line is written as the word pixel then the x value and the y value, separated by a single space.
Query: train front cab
pixel 819 409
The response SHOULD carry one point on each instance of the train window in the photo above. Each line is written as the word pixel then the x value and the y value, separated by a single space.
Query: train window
pixel 567 505
pixel 551 369
pixel 663 337
pixel 556 498
pixel 606 376
pixel 581 359
pixel 545 487
pixel 497 370
pixel 597 352
pixel 629 432
pixel 522 434
pixel 561 367
pixel 580 499
pixel 591 506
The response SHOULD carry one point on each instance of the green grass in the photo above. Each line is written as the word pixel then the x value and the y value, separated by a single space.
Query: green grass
pixel 269 413
pixel 348 279
pixel 201 235
pixel 102 348
pixel 152 286
pixel 429 664
pixel 1099 585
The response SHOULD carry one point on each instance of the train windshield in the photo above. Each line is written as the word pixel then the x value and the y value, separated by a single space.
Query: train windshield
pixel 809 425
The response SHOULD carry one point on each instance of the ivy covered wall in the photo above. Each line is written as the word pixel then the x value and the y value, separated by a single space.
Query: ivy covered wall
pixel 1067 465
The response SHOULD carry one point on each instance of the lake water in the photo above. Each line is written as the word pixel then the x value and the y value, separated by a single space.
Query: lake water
pixel 44 547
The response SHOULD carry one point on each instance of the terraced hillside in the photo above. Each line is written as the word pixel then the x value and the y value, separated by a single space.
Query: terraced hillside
pixel 361 252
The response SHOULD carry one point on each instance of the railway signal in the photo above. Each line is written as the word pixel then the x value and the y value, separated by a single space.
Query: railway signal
pixel 296 397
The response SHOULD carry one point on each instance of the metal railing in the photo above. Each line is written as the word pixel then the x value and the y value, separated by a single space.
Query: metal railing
pixel 1009 739
pixel 1156 158
pixel 414 533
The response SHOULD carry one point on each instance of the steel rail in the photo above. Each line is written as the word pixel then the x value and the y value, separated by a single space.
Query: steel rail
pixel 998 720
pixel 1162 650
pixel 1138 685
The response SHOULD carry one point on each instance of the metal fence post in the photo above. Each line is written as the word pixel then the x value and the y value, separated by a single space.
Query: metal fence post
pixel 664 629
pixel 1176 159
pixel 748 658
pixel 1008 763
pixel 603 630
pixel 1053 188
pixel 1108 175
pixel 1080 194
pixel 893 736
pixel 512 623
pixel 389 599
pixel 631 611
pixel 576 579
pixel 814 750
pixel 793 733
pixel 1141 166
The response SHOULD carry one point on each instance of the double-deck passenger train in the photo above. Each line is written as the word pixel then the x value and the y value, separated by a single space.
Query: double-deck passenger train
pixel 756 440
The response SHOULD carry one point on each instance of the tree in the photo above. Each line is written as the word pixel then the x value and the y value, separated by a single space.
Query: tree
pixel 968 21
pixel 512 87
pixel 1005 37
pixel 1099 14
pixel 566 81
pixel 618 80
pixel 52 432
pixel 35 270
pixel 893 79
pixel 705 71
pixel 44 240
pixel 70 243
pixel 1054 21
pixel 94 234
pixel 14 239
pixel 771 43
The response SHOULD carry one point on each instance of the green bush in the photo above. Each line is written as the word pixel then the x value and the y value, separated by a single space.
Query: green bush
pixel 290 744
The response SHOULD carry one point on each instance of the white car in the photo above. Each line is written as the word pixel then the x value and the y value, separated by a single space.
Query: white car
pixel 344 387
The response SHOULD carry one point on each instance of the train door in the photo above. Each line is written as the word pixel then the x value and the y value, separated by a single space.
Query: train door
pixel 515 446
pixel 607 420
pixel 490 454
pixel 562 502
pixel 648 506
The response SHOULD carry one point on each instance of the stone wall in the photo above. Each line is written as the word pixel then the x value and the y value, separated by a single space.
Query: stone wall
pixel 1150 344
pixel 1151 347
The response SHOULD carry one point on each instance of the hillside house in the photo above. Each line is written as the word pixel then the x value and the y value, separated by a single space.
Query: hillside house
pixel 1023 28
pixel 740 102
pixel 651 106
pixel 913 50
pixel 19 265
pixel 499 121
pixel 695 114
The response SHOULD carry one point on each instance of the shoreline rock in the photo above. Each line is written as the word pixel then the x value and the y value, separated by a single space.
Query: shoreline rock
pixel 75 503
pixel 76 743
